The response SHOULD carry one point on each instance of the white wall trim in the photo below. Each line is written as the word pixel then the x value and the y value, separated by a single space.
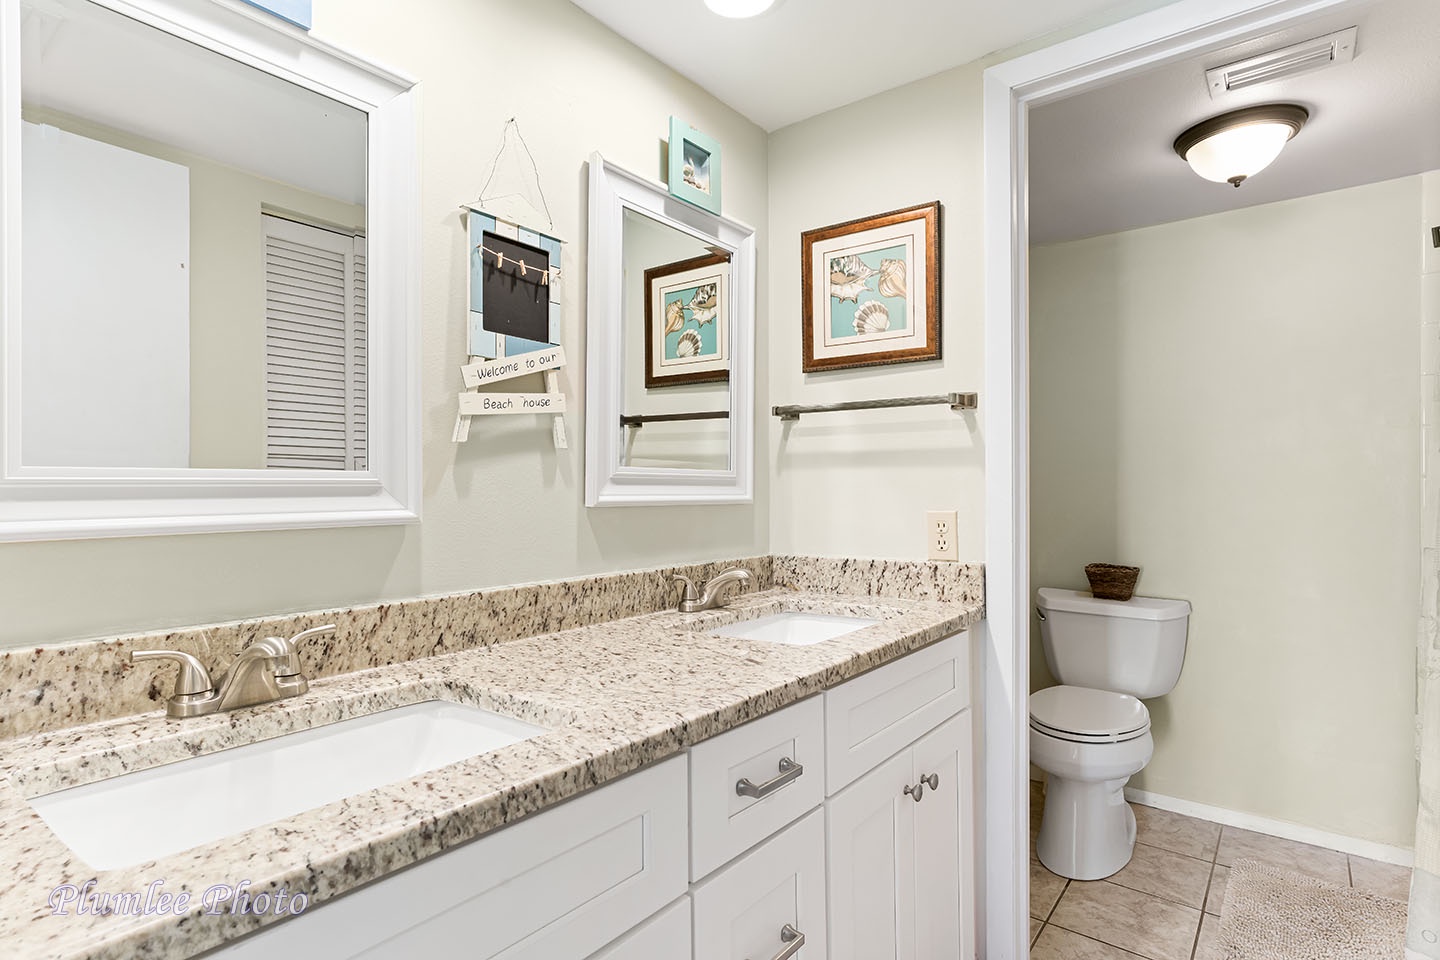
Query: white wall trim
pixel 39 503
pixel 1009 90
pixel 1284 829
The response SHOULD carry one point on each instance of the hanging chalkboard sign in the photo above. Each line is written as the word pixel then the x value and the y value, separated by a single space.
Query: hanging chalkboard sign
pixel 516 282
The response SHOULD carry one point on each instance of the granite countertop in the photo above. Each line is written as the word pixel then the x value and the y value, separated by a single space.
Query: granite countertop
pixel 615 696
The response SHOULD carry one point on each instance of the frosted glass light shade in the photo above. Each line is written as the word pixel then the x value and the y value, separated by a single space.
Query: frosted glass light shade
pixel 1237 145
pixel 739 8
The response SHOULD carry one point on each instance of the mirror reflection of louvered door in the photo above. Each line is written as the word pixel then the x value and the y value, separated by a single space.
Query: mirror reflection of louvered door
pixel 315 348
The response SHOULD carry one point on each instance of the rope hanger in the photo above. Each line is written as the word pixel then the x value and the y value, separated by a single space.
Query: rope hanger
pixel 500 259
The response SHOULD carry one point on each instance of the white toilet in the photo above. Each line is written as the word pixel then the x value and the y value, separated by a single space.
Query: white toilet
pixel 1091 734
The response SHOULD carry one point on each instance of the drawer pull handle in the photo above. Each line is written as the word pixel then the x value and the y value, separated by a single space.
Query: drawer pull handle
pixel 793 939
pixel 917 792
pixel 789 771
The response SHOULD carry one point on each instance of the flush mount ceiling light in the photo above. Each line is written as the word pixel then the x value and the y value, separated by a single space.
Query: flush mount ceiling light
pixel 1239 144
pixel 737 9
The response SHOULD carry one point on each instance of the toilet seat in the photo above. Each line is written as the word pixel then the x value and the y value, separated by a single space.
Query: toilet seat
pixel 1086 715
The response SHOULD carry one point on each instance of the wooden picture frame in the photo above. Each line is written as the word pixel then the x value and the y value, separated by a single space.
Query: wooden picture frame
pixel 687 333
pixel 870 290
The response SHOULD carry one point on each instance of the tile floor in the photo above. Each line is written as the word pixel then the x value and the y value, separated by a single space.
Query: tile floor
pixel 1165 904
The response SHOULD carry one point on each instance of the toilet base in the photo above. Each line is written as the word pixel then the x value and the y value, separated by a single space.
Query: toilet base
pixel 1087 831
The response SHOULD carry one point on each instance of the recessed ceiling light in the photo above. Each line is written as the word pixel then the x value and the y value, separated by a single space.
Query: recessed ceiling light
pixel 739 8
pixel 1239 144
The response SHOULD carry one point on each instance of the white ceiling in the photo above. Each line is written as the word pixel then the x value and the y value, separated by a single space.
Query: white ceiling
pixel 86 61
pixel 804 57
pixel 1102 161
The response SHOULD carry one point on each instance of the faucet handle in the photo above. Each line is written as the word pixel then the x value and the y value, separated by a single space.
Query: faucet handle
pixel 312 632
pixel 192 679
pixel 690 592
pixel 288 665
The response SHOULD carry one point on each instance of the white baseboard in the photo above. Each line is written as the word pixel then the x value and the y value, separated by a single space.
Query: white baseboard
pixel 1275 828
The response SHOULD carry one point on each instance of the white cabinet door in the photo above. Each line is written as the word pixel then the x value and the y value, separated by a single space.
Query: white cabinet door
pixel 880 713
pixel 870 840
pixel 556 886
pixel 768 904
pixel 665 936
pixel 944 830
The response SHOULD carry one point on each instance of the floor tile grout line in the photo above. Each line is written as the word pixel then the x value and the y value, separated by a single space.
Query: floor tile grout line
pixel 1195 948
pixel 1113 946
pixel 1149 893
pixel 1056 905
pixel 1187 856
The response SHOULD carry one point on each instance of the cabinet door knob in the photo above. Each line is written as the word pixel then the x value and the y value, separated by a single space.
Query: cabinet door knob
pixel 793 939
pixel 916 792
pixel 789 772
pixel 932 781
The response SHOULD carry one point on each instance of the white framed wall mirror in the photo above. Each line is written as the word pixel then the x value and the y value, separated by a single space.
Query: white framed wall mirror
pixel 670 333
pixel 210 274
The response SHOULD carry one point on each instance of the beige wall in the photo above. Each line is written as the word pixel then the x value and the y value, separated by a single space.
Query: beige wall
pixel 1231 403
pixel 860 483
pixel 505 507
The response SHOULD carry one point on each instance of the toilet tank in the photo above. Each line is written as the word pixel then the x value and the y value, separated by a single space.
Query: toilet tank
pixel 1134 646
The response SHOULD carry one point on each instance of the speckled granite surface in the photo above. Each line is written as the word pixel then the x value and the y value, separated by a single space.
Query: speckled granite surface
pixel 616 696
pixel 908 579
pixel 62 685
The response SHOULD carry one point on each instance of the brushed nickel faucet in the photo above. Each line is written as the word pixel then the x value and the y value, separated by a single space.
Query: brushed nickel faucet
pixel 708 596
pixel 265 671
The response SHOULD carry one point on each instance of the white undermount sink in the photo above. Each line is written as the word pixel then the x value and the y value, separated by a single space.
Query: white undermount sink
pixel 140 816
pixel 795 629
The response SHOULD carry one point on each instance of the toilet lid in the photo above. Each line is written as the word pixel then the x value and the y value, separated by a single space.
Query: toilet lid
pixel 1087 715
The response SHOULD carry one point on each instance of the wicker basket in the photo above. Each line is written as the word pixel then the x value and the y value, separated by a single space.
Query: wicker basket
pixel 1111 581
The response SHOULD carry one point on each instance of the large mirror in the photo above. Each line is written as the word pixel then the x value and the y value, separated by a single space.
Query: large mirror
pixel 204 240
pixel 212 285
pixel 670 329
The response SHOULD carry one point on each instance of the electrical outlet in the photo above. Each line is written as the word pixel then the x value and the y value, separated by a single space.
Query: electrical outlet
pixel 940 532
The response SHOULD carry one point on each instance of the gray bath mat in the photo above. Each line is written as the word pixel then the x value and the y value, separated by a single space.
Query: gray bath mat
pixel 1273 914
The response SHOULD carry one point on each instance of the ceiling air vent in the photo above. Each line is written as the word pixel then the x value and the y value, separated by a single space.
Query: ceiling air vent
pixel 1298 58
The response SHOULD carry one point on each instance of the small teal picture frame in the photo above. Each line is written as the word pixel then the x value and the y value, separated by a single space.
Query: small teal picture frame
pixel 694 166
pixel 293 11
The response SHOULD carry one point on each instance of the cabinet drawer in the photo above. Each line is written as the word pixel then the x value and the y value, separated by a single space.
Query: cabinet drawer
pixel 723 822
pixel 879 713
pixel 666 936
pixel 556 886
pixel 748 910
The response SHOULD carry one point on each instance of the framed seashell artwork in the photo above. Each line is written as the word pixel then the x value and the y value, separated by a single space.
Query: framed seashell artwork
pixel 694 166
pixel 871 290
pixel 687 325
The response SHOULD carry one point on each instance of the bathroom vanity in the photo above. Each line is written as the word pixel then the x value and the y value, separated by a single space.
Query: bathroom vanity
pixel 789 776
pixel 872 776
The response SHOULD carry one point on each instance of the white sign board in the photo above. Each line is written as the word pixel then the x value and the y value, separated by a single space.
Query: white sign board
pixel 490 371
pixel 483 404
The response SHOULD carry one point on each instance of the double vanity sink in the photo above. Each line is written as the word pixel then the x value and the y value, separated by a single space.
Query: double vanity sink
pixel 142 816
pixel 372 771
